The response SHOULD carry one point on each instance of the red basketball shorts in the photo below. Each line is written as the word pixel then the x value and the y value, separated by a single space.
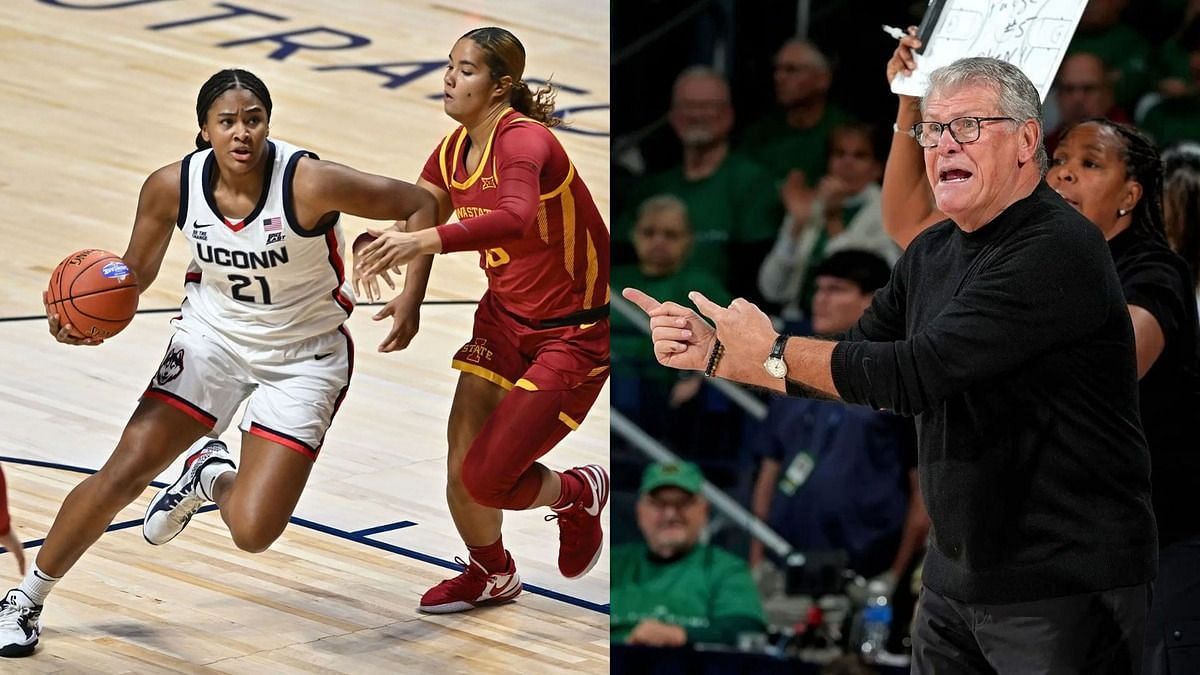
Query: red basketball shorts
pixel 507 351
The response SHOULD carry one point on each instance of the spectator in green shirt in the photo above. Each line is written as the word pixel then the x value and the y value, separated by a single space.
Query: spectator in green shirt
pixel 642 390
pixel 672 590
pixel 1082 90
pixel 793 139
pixel 1126 54
pixel 1177 119
pixel 733 203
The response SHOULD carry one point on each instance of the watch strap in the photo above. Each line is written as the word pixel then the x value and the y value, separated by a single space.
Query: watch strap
pixel 779 346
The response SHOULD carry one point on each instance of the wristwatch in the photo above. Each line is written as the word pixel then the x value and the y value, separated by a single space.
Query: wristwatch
pixel 775 365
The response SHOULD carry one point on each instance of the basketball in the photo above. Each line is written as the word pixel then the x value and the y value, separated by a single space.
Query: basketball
pixel 95 292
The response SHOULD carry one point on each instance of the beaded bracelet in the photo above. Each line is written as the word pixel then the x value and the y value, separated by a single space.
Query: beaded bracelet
pixel 717 351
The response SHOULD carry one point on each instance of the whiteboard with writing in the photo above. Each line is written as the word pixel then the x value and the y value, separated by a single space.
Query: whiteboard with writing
pixel 1030 34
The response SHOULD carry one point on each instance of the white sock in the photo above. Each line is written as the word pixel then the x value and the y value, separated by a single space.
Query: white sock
pixel 209 476
pixel 37 584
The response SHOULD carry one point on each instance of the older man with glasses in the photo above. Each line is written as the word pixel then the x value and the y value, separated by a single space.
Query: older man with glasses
pixel 1004 331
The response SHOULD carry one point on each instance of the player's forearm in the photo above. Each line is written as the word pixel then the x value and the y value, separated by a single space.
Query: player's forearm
pixel 416 279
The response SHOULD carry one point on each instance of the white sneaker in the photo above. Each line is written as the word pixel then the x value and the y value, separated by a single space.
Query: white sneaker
pixel 20 624
pixel 174 505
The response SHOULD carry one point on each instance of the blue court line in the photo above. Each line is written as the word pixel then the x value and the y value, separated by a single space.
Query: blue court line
pixel 34 543
pixel 425 557
pixel 165 310
pixel 357 537
pixel 383 528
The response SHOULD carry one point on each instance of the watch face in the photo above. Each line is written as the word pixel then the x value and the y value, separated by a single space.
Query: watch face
pixel 776 367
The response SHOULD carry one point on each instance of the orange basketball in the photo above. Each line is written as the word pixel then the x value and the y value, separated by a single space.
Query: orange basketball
pixel 95 292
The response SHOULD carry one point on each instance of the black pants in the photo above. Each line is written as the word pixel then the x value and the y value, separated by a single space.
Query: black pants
pixel 1091 633
pixel 1173 628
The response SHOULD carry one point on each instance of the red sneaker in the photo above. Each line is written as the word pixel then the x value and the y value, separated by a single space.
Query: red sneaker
pixel 473 588
pixel 579 532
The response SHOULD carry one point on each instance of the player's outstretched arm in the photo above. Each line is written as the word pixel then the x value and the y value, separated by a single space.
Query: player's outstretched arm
pixel 405 308
pixel 322 187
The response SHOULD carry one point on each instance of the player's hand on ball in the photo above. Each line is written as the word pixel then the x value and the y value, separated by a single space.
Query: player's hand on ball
pixel 65 333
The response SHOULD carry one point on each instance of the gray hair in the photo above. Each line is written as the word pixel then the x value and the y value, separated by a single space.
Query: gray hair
pixel 816 56
pixel 701 72
pixel 652 206
pixel 1016 95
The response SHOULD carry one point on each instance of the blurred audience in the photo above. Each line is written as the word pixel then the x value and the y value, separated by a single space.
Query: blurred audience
pixel 1174 69
pixel 842 212
pixel 793 140
pixel 642 390
pixel 1176 119
pixel 1127 55
pixel 672 589
pixel 1181 205
pixel 839 477
pixel 731 202
pixel 1082 90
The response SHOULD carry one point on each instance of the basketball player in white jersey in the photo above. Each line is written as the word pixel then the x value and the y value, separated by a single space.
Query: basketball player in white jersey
pixel 267 295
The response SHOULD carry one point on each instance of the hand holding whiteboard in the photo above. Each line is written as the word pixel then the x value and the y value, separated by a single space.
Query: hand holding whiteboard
pixel 1030 34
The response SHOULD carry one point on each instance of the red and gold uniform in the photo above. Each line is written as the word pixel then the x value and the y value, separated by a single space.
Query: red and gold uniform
pixel 542 326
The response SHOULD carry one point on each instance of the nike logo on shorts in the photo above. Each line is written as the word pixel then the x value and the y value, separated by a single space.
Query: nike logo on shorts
pixel 321 356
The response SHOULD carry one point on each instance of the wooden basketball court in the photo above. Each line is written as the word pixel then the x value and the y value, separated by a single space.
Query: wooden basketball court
pixel 97 94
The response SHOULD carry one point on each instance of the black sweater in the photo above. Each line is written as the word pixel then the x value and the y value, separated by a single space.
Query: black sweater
pixel 1013 347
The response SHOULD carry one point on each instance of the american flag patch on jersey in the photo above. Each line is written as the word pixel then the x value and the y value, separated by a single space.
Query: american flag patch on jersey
pixel 272 224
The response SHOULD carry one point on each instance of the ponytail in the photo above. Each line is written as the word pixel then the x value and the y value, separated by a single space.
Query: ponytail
pixel 537 105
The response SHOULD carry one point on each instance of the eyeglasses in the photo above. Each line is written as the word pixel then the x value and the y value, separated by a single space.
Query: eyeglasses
pixel 678 504
pixel 1066 89
pixel 962 130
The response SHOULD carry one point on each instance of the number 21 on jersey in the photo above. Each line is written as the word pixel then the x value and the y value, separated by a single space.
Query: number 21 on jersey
pixel 240 282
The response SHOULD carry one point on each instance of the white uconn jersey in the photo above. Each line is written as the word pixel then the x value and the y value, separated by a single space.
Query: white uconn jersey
pixel 262 281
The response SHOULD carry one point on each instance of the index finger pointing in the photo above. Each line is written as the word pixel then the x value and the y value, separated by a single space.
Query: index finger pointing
pixel 646 303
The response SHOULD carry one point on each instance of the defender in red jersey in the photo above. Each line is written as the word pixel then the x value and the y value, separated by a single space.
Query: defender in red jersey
pixel 538 356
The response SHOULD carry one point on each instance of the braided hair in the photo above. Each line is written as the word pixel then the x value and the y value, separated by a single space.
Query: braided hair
pixel 1181 202
pixel 221 82
pixel 1144 165
pixel 505 55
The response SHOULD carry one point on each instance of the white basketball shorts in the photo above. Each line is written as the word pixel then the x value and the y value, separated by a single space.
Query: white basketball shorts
pixel 294 390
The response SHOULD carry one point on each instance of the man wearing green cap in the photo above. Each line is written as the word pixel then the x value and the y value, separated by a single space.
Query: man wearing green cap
pixel 672 590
